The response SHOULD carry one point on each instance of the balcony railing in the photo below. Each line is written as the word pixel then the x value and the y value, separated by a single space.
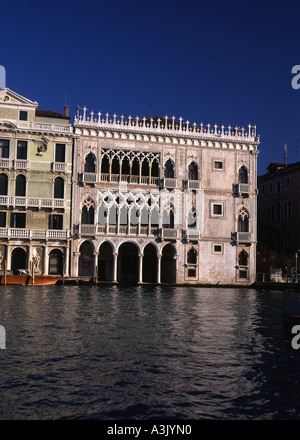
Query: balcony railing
pixel 114 229
pixel 244 188
pixel 169 233
pixel 193 184
pixel 20 164
pixel 49 127
pixel 244 237
pixel 49 234
pixel 5 163
pixel 59 166
pixel 191 234
pixel 32 202
pixel 88 177
pixel 170 183
pixel 125 178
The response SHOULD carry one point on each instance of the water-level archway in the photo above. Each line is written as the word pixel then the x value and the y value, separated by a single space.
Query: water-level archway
pixel 150 264
pixel 105 262
pixel 18 260
pixel 86 260
pixel 128 263
pixel 168 264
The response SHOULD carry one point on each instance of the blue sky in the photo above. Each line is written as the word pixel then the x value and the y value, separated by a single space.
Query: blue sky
pixel 216 62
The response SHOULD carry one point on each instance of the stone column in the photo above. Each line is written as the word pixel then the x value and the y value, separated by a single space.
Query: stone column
pixel 159 268
pixel 8 257
pixel 96 264
pixel 140 268
pixel 46 260
pixel 75 266
pixel 115 269
pixel 66 260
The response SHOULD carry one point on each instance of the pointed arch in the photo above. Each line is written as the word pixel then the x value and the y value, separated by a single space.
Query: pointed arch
pixel 193 171
pixel 243 258
pixel 89 163
pixel 169 169
pixel 243 220
pixel 243 174
pixel 88 212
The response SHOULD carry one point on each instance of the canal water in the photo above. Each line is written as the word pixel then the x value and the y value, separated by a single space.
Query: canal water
pixel 145 353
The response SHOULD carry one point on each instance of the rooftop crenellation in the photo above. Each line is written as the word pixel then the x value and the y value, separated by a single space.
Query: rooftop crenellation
pixel 166 125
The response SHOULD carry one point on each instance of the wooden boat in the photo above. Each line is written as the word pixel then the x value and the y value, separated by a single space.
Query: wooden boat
pixel 26 279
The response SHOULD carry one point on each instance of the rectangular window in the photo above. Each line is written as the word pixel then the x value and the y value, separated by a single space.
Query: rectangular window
pixel 23 116
pixel 60 152
pixel 243 274
pixel 22 150
pixel 270 187
pixel 218 249
pixel 287 183
pixel 192 272
pixel 55 221
pixel 18 220
pixel 2 219
pixel 278 186
pixel 218 165
pixel 263 188
pixel 4 149
pixel 217 209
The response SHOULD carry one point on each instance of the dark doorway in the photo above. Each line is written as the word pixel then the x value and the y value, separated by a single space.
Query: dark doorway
pixel 168 264
pixel 150 264
pixel 18 260
pixel 128 263
pixel 105 262
pixel 55 262
pixel 86 260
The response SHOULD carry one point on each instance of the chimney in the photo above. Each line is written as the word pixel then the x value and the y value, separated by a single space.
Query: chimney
pixel 67 111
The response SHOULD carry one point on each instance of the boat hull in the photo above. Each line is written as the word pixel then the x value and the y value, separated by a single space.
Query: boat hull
pixel 25 280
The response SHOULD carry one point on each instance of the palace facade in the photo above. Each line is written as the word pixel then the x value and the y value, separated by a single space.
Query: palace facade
pixel 152 200
pixel 35 186
pixel 159 200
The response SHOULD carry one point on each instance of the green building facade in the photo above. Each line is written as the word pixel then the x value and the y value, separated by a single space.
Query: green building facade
pixel 35 186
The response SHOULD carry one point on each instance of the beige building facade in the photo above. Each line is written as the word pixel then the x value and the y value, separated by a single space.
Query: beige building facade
pixel 35 186
pixel 159 200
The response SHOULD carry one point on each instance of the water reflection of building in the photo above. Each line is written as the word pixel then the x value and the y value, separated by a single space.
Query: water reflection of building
pixel 156 200
pixel 35 185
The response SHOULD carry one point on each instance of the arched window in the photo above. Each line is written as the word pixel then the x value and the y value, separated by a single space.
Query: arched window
pixel 135 167
pixel 3 184
pixel 192 218
pixel 125 166
pixel 20 185
pixel 59 188
pixel 243 258
pixel 168 217
pixel 154 168
pixel 193 171
pixel 169 169
pixel 192 256
pixel 243 175
pixel 105 165
pixel 89 165
pixel 88 212
pixel 145 168
pixel 115 165
pixel 243 221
